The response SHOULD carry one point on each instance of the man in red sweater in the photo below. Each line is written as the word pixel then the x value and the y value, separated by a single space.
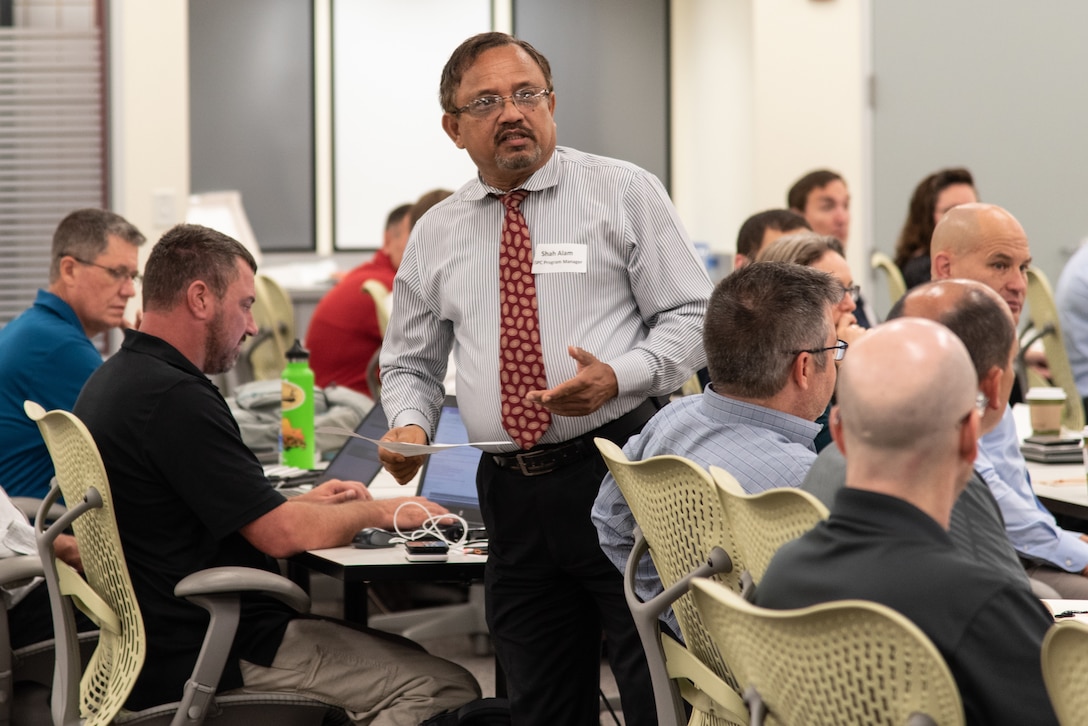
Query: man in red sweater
pixel 343 333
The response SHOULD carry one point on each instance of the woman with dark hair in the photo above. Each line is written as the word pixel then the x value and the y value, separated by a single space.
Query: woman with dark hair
pixel 934 195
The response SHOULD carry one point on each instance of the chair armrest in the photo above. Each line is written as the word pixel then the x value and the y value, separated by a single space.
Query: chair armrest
pixel 645 614
pixel 218 590
pixel 228 580
pixel 23 567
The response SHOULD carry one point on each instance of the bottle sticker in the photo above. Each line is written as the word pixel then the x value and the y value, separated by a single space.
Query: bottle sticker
pixel 290 436
pixel 291 396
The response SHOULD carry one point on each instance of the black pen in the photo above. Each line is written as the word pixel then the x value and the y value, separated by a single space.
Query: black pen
pixel 1070 613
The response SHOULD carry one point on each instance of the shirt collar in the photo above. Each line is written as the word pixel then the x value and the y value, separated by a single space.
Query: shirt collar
pixel 873 509
pixel 145 344
pixel 543 178
pixel 794 428
pixel 56 305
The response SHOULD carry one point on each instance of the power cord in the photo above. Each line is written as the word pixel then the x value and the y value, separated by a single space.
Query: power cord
pixel 432 527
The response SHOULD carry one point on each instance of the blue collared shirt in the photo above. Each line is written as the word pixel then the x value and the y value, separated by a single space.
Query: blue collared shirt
pixel 761 447
pixel 1071 298
pixel 45 356
pixel 1031 527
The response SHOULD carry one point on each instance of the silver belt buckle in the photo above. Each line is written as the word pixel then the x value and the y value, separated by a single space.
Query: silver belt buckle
pixel 521 465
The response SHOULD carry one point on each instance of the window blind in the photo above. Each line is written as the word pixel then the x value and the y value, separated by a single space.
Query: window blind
pixel 52 148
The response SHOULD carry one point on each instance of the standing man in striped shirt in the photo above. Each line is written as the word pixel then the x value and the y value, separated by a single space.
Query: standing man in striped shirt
pixel 570 295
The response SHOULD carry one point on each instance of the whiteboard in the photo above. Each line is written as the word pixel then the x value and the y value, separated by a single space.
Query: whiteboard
pixel 389 146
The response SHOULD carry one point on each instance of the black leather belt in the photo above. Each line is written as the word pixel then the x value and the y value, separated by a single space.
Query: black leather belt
pixel 546 459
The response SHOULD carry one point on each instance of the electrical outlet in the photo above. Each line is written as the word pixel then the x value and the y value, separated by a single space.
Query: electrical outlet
pixel 162 208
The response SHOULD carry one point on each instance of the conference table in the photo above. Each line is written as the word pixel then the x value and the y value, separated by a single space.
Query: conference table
pixel 355 568
pixel 1062 488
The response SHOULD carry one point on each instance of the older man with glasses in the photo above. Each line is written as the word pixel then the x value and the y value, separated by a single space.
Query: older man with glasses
pixel 46 354
pixel 571 296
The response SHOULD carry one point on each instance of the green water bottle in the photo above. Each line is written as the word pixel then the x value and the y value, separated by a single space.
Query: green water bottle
pixel 297 426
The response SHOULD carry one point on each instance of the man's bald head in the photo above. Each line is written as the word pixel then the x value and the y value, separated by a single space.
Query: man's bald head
pixel 962 228
pixel 975 313
pixel 983 242
pixel 903 389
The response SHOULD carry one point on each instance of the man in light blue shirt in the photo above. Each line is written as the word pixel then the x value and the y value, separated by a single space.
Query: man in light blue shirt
pixel 1071 298
pixel 771 346
pixel 984 242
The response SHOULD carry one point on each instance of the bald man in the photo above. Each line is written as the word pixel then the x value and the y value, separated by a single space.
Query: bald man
pixel 984 242
pixel 907 422
pixel 983 323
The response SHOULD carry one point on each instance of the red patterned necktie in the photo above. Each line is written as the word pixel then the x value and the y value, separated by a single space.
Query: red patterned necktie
pixel 521 358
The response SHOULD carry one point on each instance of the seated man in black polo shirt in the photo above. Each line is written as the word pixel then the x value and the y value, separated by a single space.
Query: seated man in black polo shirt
pixel 907 421
pixel 189 495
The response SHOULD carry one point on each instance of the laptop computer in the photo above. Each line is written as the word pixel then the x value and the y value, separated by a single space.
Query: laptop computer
pixel 357 459
pixel 448 478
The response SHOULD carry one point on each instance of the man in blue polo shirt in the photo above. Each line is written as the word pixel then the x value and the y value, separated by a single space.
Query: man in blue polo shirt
pixel 46 353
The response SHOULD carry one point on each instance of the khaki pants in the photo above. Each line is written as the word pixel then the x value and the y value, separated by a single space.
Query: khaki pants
pixel 376 680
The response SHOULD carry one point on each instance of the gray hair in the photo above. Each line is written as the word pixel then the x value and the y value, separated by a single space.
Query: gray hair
pixel 758 318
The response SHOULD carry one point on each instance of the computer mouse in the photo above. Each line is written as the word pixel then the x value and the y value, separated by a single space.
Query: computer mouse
pixel 373 538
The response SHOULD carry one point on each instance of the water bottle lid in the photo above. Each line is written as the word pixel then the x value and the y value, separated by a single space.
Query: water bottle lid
pixel 297 352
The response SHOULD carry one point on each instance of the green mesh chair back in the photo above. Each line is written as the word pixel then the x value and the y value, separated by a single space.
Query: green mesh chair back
pixel 677 507
pixel 105 592
pixel 1065 670
pixel 841 663
pixel 1044 318
pixel 765 521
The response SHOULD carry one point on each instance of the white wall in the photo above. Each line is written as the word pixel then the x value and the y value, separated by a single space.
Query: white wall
pixel 149 113
pixel 713 102
pixel 149 118
pixel 764 91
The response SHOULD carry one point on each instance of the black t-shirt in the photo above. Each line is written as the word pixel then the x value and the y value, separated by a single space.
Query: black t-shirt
pixel 183 484
pixel 988 628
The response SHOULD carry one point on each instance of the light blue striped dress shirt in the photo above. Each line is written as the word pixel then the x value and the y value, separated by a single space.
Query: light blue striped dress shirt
pixel 1032 529
pixel 638 306
pixel 762 448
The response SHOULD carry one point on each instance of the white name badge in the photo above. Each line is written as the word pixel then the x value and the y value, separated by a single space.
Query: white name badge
pixel 562 257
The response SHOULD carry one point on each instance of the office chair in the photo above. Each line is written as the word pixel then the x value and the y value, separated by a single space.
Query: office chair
pixel 105 593
pixel 683 526
pixel 1046 327
pixel 1065 667
pixel 32 666
pixel 29 507
pixel 893 277
pixel 765 521
pixel 837 663
pixel 381 295
pixel 265 354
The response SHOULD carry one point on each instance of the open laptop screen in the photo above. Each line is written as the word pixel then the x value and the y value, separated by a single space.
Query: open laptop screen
pixel 449 477
pixel 358 460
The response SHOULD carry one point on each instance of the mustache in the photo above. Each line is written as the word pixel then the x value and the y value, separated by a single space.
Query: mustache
pixel 511 128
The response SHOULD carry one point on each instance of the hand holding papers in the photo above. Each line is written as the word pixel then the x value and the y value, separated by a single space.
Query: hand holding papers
pixel 405 448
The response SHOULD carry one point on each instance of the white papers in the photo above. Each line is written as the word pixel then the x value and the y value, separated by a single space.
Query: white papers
pixel 1068 609
pixel 403 447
